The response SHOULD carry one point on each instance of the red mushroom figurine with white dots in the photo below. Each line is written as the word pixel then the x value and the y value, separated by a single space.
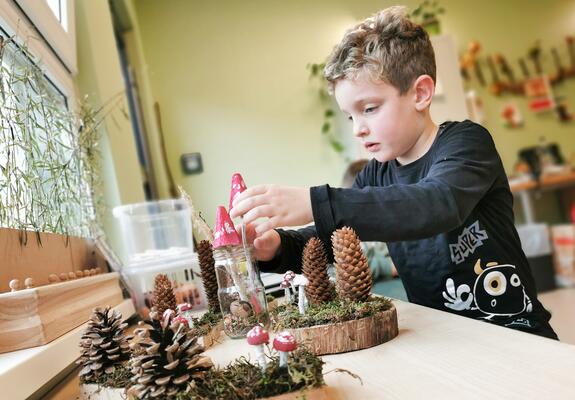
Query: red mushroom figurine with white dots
pixel 284 342
pixel 258 336
pixel 185 311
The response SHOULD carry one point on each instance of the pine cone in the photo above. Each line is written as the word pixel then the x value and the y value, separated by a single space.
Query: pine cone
pixel 353 277
pixel 164 297
pixel 103 344
pixel 319 288
pixel 208 271
pixel 168 358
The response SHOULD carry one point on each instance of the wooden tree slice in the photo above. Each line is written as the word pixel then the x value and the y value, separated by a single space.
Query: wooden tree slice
pixel 350 335
pixel 320 393
pixel 96 392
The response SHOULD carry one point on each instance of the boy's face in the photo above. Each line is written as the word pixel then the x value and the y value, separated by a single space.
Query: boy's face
pixel 386 122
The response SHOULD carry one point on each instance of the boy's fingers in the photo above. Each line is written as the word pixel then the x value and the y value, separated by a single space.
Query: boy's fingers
pixel 243 206
pixel 249 192
pixel 264 241
pixel 258 212
pixel 267 226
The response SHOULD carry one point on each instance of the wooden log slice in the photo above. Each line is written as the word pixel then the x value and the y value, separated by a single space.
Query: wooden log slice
pixel 349 335
pixel 320 393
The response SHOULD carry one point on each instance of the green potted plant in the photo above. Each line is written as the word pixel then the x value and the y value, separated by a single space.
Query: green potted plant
pixel 427 15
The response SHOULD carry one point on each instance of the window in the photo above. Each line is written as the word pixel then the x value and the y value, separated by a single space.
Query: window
pixel 42 163
pixel 54 22
pixel 33 25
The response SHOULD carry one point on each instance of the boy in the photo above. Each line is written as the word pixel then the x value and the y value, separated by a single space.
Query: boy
pixel 438 195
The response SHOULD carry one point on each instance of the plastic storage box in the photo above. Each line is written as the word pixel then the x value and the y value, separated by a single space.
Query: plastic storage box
pixel 158 240
pixel 564 254
pixel 155 229
pixel 183 272
pixel 536 245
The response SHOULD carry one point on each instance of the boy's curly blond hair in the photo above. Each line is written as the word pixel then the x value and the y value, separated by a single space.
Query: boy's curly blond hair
pixel 388 46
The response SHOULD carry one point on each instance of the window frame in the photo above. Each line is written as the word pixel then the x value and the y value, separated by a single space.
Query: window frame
pixel 19 23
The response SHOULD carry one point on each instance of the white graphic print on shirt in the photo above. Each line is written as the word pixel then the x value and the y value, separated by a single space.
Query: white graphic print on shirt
pixel 470 239
pixel 497 291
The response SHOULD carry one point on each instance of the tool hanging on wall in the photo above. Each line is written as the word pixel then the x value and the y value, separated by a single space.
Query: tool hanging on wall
pixel 511 85
pixel 560 70
pixel 535 55
pixel 571 48
pixel 524 69
pixel 496 85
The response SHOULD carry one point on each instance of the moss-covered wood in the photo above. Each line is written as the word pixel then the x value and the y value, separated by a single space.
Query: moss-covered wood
pixel 288 317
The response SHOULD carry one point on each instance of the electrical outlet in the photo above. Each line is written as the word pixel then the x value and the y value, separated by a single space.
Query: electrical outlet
pixel 191 163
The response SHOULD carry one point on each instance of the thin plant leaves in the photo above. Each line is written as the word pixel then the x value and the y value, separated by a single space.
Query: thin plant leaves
pixel 50 160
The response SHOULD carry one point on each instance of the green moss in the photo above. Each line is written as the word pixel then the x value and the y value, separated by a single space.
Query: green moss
pixel 242 380
pixel 288 317
pixel 211 318
pixel 120 378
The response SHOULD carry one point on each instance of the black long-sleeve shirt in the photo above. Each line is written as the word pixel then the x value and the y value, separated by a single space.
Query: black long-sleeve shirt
pixel 448 221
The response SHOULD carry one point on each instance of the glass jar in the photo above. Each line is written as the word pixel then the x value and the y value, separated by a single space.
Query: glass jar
pixel 240 291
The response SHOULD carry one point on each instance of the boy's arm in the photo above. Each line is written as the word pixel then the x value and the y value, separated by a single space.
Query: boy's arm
pixel 289 255
pixel 467 167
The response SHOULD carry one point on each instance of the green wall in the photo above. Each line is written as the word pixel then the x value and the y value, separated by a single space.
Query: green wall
pixel 232 83
pixel 100 78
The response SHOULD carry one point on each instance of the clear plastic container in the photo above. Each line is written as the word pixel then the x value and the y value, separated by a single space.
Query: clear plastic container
pixel 241 292
pixel 158 228
pixel 183 272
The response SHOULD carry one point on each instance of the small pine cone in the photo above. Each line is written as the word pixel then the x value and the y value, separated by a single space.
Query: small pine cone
pixel 164 297
pixel 168 359
pixel 353 277
pixel 319 288
pixel 208 271
pixel 103 344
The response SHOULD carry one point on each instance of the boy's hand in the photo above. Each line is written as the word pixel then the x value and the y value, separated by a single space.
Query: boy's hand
pixel 266 246
pixel 284 206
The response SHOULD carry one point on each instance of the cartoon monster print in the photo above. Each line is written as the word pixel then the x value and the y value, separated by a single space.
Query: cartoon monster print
pixel 497 291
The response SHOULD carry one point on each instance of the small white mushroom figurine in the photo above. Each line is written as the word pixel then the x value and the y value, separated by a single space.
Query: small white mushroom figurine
pixel 287 294
pixel 258 336
pixel 300 281
pixel 288 282
pixel 167 318
pixel 284 342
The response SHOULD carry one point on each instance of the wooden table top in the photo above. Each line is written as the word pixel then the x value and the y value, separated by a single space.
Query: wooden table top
pixel 442 355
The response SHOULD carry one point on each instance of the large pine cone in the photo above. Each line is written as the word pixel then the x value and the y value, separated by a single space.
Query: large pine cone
pixel 164 297
pixel 319 288
pixel 103 344
pixel 353 277
pixel 207 268
pixel 168 358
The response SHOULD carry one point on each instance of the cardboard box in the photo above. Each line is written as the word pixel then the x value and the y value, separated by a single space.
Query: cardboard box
pixel 563 237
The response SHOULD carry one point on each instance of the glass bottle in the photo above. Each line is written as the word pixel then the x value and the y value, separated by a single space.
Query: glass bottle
pixel 241 292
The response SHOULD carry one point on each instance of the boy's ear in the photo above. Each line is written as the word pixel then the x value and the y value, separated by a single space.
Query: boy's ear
pixel 424 88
